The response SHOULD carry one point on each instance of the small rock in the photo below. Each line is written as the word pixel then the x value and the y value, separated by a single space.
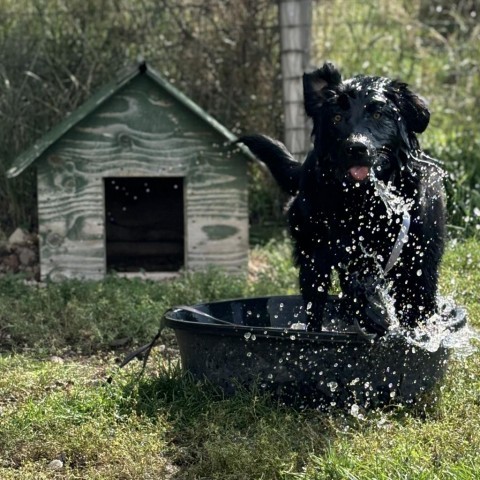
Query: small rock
pixel 120 342
pixel 27 256
pixel 56 359
pixel 55 465
pixel 12 263
pixel 19 236
pixel 4 248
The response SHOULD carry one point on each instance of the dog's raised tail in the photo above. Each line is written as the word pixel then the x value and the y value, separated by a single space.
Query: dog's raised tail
pixel 284 168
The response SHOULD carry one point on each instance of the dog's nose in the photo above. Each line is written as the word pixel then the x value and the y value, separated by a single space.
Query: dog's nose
pixel 356 150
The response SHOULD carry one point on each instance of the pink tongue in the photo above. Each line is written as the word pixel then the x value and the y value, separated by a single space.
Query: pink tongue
pixel 359 173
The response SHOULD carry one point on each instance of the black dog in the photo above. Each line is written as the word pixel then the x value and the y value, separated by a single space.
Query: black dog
pixel 368 202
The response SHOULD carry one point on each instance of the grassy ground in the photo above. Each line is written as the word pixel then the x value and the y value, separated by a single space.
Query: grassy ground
pixel 60 417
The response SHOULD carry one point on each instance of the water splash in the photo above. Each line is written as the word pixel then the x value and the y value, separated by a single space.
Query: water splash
pixel 436 332
pixel 463 343
pixel 394 202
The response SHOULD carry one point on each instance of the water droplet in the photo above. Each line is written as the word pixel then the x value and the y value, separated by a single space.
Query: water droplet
pixel 354 410
pixel 332 386
pixel 419 272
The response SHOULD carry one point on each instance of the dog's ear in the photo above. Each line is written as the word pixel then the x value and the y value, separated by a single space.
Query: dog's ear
pixel 412 107
pixel 316 84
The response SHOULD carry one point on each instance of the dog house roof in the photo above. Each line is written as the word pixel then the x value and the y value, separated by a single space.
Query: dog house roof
pixel 29 156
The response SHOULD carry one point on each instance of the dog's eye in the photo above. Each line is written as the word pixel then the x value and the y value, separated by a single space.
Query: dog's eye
pixel 337 118
pixel 377 115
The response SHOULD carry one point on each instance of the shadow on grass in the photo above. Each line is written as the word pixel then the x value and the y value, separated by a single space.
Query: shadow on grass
pixel 248 435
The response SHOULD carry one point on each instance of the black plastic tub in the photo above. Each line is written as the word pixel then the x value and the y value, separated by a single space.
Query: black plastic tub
pixel 250 342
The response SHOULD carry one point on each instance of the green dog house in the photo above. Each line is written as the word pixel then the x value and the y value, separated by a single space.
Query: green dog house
pixel 139 180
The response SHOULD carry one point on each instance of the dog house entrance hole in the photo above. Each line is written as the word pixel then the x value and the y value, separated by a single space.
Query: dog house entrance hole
pixel 144 224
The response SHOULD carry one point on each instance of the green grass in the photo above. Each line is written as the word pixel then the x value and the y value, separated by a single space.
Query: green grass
pixel 56 402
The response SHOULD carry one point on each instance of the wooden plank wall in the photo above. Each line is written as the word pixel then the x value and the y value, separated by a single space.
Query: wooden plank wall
pixel 140 131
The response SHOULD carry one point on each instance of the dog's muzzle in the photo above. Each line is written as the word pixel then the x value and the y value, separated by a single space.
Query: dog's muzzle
pixel 358 154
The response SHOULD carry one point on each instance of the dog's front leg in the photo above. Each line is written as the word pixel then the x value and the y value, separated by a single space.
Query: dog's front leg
pixel 415 298
pixel 315 280
pixel 415 289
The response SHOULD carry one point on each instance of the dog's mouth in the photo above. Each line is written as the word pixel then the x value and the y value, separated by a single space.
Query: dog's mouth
pixel 359 173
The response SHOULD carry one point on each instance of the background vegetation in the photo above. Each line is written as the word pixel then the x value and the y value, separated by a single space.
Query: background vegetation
pixel 225 55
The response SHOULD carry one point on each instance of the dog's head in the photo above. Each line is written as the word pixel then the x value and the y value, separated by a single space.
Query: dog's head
pixel 363 126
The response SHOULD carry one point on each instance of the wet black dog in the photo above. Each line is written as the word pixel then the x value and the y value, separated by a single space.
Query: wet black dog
pixel 367 201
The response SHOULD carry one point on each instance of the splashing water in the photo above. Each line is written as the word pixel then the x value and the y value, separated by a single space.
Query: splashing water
pixel 464 342
pixel 394 203
pixel 436 333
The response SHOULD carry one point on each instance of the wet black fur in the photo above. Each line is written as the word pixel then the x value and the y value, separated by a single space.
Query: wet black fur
pixel 338 222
